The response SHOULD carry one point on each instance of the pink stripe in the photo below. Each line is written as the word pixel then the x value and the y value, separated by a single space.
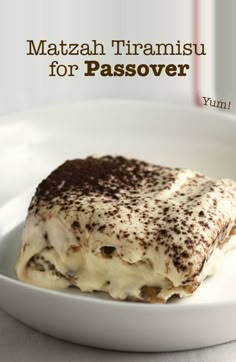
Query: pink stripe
pixel 196 63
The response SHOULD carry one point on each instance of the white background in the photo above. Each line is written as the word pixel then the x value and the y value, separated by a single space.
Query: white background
pixel 24 81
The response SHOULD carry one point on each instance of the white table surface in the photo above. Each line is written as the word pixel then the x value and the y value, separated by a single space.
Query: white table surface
pixel 19 343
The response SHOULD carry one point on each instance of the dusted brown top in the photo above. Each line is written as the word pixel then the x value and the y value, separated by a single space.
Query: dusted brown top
pixel 108 175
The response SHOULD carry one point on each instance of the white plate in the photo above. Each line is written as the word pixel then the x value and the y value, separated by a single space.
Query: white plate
pixel 38 141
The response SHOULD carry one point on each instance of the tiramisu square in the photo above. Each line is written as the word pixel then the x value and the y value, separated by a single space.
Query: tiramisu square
pixel 135 230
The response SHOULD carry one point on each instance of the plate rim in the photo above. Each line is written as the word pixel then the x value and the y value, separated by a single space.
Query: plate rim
pixel 119 102
pixel 110 102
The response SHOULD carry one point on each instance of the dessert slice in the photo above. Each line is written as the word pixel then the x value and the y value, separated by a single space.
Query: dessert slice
pixel 135 230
